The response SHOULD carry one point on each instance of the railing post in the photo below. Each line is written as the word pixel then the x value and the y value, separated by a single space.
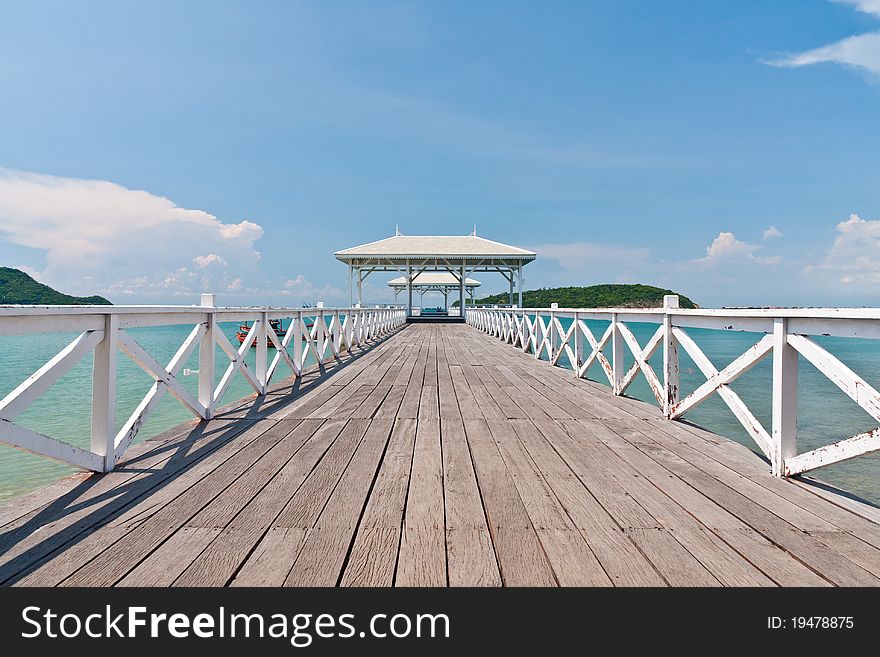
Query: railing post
pixel 298 337
pixel 617 365
pixel 262 349
pixel 785 379
pixel 320 334
pixel 526 333
pixel 207 358
pixel 670 355
pixel 539 334
pixel 554 334
pixel 104 394
pixel 578 345
pixel 337 333
pixel 349 328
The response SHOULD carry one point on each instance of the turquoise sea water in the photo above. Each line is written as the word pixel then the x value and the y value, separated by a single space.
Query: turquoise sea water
pixel 825 414
pixel 64 411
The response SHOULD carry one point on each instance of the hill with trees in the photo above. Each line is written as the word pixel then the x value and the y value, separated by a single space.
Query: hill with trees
pixel 593 296
pixel 16 287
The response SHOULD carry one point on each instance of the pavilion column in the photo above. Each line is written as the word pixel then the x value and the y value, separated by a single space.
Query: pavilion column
pixel 350 291
pixel 445 299
pixel 510 296
pixel 461 297
pixel 360 288
pixel 408 289
pixel 520 284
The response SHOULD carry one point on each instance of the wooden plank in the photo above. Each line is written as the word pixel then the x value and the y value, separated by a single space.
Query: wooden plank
pixel 446 390
pixel 391 404
pixel 810 551
pixel 673 562
pixel 741 460
pixel 619 556
pixel 422 558
pixel 571 558
pixel 368 408
pixel 306 504
pixel 114 562
pixel 774 562
pixel 409 407
pixel 220 562
pixel 271 560
pixel 556 401
pixel 230 500
pixel 725 564
pixel 467 403
pixel 520 556
pixel 431 362
pixel 140 512
pixel 27 546
pixel 470 554
pixel 322 558
pixel 429 404
pixel 178 551
pixel 373 555
pixel 508 407
pixel 777 497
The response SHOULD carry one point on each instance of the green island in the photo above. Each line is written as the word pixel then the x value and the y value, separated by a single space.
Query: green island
pixel 610 295
pixel 16 287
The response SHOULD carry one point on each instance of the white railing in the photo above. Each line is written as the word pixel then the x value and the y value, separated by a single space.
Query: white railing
pixel 102 330
pixel 539 331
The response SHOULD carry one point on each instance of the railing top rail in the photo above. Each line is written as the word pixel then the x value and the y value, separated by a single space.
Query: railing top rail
pixel 25 310
pixel 811 313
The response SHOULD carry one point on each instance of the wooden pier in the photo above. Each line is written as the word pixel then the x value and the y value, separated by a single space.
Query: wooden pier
pixel 438 456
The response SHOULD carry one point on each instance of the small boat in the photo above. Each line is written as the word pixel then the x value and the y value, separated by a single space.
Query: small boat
pixel 274 324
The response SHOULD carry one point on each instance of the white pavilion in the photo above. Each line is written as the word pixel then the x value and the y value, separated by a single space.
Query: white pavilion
pixel 456 255
pixel 440 282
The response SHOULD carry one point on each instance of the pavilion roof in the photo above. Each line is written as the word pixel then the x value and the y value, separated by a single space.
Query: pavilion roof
pixel 456 247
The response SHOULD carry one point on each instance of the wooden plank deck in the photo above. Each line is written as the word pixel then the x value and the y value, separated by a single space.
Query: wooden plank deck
pixel 438 457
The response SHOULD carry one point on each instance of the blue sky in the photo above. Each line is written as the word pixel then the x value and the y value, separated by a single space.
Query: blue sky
pixel 150 151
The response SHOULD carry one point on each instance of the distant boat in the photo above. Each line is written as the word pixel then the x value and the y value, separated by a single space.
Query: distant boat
pixel 274 324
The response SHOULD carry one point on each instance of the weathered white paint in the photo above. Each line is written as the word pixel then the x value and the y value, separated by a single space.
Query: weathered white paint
pixel 670 357
pixel 785 382
pixel 103 439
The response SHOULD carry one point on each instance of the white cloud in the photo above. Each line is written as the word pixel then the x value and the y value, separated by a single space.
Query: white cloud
pixel 861 51
pixel 854 257
pixel 585 256
pixel 304 289
pixel 772 232
pixel 100 237
pixel 207 260
pixel 726 249
pixel 866 6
